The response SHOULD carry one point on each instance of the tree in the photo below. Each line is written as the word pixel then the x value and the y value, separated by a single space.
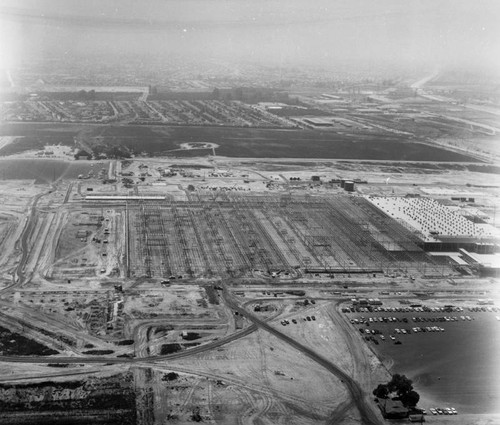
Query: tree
pixel 410 399
pixel 171 376
pixel 381 391
pixel 400 384
pixel 81 152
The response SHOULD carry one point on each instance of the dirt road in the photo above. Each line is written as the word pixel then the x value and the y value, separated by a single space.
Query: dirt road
pixel 367 413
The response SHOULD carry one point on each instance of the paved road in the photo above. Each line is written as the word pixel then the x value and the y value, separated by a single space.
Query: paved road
pixel 368 416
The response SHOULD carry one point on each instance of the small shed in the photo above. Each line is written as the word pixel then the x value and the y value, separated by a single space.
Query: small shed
pixel 349 186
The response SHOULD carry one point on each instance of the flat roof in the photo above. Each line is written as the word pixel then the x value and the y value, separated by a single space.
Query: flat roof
pixel 432 221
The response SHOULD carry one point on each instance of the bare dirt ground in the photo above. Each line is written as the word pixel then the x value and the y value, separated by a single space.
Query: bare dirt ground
pixel 75 293
pixel 261 362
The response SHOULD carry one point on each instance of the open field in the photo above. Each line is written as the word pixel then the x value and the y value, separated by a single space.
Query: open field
pixel 42 171
pixel 126 140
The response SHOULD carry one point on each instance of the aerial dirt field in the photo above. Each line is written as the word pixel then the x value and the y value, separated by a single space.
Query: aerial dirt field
pixel 212 288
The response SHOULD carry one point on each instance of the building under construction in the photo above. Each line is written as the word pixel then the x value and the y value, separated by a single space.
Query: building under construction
pixel 222 234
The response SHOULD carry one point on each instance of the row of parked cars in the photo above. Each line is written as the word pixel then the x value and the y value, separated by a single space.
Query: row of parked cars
pixel 443 411
pixel 294 321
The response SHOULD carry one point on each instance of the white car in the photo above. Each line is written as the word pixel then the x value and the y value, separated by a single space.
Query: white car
pixel 433 411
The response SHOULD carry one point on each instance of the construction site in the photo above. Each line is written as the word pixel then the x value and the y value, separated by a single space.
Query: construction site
pixel 249 212
pixel 219 235
pixel 221 286
pixel 207 261
pixel 237 235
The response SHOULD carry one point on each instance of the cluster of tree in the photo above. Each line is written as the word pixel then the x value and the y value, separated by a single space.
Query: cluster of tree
pixel 398 388
pixel 81 152
pixel 171 376
pixel 86 95
pixel 127 182
pixel 103 151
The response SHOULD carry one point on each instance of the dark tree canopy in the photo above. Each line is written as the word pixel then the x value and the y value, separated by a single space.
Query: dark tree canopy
pixel 410 399
pixel 81 152
pixel 381 391
pixel 402 387
pixel 400 384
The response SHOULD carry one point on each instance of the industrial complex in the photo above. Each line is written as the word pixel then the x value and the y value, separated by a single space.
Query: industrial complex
pixel 248 249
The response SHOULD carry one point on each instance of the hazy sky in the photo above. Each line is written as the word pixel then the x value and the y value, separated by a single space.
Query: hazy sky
pixel 285 31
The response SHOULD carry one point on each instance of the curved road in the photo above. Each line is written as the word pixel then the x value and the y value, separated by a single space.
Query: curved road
pixel 117 360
